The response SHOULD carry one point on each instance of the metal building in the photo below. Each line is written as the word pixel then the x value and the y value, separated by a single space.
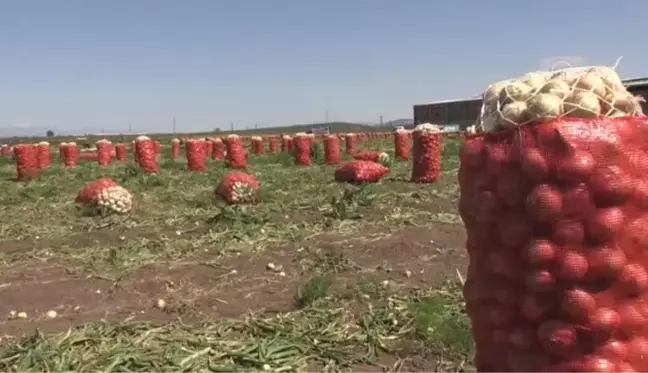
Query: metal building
pixel 465 112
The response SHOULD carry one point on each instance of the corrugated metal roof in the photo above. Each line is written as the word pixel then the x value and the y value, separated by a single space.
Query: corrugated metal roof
pixel 632 82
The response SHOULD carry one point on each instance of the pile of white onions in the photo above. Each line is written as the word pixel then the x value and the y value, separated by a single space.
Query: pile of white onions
pixel 574 92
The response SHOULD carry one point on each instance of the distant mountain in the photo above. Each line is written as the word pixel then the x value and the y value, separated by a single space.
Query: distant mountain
pixel 401 122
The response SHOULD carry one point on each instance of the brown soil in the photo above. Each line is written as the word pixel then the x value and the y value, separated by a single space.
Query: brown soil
pixel 411 257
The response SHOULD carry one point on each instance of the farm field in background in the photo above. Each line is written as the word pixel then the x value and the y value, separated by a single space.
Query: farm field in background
pixel 319 276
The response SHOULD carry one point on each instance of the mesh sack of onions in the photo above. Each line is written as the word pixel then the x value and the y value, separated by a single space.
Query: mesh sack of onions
pixel 273 144
pixel 426 153
pixel 556 214
pixel 196 154
pixel 44 154
pixel 256 145
pixel 372 155
pixel 120 152
pixel 146 155
pixel 350 142
pixel 158 147
pixel 301 152
pixel 104 152
pixel 105 195
pixel 236 153
pixel 331 149
pixel 26 157
pixel 218 149
pixel 70 154
pixel 357 171
pixel 238 187
pixel 286 144
pixel 175 148
pixel 5 150
pixel 209 148
pixel 402 145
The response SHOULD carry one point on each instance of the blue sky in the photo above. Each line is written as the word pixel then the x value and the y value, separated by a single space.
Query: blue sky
pixel 84 65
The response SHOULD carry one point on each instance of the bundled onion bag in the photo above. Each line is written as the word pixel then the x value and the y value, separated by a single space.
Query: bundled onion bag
pixel 286 144
pixel 238 187
pixel 105 194
pixel 372 155
pixel 402 144
pixel 27 166
pixel 302 143
pixel 256 143
pixel 360 172
pixel 44 154
pixel 146 155
pixel 556 213
pixel 426 153
pixel 331 149
pixel 218 149
pixel 237 156
pixel 196 149
pixel 175 148
pixel 104 152
pixel 273 144
pixel 120 151
pixel 350 143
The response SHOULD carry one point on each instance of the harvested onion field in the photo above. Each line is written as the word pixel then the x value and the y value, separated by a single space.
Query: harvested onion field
pixel 318 276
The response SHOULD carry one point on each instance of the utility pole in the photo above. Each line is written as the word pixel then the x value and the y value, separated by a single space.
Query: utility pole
pixel 381 121
pixel 130 127
pixel 174 125
pixel 231 126
pixel 326 117
pixel 256 126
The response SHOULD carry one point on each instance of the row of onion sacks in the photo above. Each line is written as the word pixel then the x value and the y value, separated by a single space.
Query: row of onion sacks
pixel 556 214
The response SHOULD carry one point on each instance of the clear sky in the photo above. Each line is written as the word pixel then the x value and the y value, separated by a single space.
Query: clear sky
pixel 84 65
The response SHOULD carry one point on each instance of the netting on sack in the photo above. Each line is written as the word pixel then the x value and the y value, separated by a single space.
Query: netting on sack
pixel 556 214
pixel 582 92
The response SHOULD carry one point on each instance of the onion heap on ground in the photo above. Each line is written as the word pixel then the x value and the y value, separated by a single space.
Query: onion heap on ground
pixel 402 144
pixel 301 143
pixel 426 153
pixel 556 215
pixel 358 171
pixel 236 154
pixel 350 143
pixel 331 149
pixel 238 187
pixel 26 156
pixel 105 195
pixel 146 155
pixel 175 148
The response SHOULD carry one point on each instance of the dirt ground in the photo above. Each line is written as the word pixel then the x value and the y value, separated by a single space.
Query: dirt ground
pixel 410 257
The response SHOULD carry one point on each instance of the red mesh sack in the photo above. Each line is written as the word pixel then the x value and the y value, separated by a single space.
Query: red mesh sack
pixel 367 155
pixel 257 145
pixel 426 156
pixel 331 149
pixel 286 144
pixel 5 150
pixel 351 143
pixel 218 149
pixel 236 154
pixel 26 156
pixel 302 150
pixel 104 152
pixel 158 147
pixel 273 144
pixel 557 222
pixel 90 192
pixel 120 151
pixel 196 154
pixel 175 148
pixel 238 187
pixel 209 148
pixel 146 155
pixel 360 172
pixel 70 154
pixel 402 145
pixel 44 154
